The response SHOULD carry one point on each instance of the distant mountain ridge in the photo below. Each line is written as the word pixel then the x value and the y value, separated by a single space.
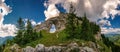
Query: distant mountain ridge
pixel 4 39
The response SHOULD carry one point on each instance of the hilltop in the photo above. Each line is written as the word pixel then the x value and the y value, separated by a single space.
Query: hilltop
pixel 72 34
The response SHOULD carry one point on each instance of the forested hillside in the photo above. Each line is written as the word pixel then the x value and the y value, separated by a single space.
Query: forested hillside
pixel 77 29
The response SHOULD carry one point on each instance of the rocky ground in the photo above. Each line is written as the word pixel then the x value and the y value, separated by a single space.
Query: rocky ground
pixel 72 47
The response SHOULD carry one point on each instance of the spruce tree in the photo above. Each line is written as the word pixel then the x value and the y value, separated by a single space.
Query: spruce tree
pixel 86 32
pixel 29 27
pixel 20 35
pixel 20 24
pixel 70 26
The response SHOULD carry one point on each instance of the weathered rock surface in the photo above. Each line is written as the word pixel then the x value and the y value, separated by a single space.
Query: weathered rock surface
pixel 28 49
pixel 40 48
pixel 58 21
pixel 72 47
pixel 15 48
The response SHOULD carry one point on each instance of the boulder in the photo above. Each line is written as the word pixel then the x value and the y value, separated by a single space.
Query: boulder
pixel 88 49
pixel 28 49
pixel 40 48
pixel 15 48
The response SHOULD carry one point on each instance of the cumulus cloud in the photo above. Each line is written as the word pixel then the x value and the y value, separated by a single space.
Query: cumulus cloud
pixel 96 10
pixel 4 10
pixel 52 11
pixel 110 8
pixel 34 23
pixel 110 30
pixel 104 23
pixel 6 29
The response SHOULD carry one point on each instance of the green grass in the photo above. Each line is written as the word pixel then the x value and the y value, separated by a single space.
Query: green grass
pixel 115 39
pixel 50 39
pixel 103 47
pixel 58 38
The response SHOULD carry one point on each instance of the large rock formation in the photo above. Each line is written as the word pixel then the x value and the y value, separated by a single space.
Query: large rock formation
pixel 58 21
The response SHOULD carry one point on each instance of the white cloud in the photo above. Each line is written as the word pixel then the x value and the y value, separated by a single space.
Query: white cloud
pixel 110 30
pixel 109 8
pixel 6 29
pixel 52 11
pixel 5 10
pixel 34 23
pixel 104 23
pixel 94 9
pixel 39 23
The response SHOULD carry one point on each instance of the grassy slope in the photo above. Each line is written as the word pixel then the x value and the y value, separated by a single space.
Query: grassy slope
pixel 49 39
pixel 103 47
pixel 58 38
pixel 115 39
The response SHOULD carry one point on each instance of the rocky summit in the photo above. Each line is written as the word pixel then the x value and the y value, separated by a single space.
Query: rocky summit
pixel 58 21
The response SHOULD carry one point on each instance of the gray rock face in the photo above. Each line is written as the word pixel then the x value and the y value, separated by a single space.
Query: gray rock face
pixel 59 22
pixel 72 47
pixel 28 49
pixel 40 48
pixel 54 49
pixel 86 49
pixel 15 48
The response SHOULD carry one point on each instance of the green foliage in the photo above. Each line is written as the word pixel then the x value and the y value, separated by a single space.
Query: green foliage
pixel 70 27
pixel 110 44
pixel 86 34
pixel 107 41
pixel 20 24
pixel 103 47
pixel 77 30
pixel 50 39
pixel 89 29
pixel 115 38
pixel 2 47
pixel 26 34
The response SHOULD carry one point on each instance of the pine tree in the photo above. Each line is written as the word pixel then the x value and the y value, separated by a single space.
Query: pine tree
pixel 26 34
pixel 29 27
pixel 86 32
pixel 20 24
pixel 20 34
pixel 70 27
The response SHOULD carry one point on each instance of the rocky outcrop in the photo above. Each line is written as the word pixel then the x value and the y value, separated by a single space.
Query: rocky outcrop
pixel 15 48
pixel 28 49
pixel 40 48
pixel 59 22
pixel 72 47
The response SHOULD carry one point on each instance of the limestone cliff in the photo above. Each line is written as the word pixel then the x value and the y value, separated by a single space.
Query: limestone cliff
pixel 58 21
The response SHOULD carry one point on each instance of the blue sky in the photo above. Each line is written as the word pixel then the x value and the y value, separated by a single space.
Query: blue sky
pixel 34 9
pixel 116 22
